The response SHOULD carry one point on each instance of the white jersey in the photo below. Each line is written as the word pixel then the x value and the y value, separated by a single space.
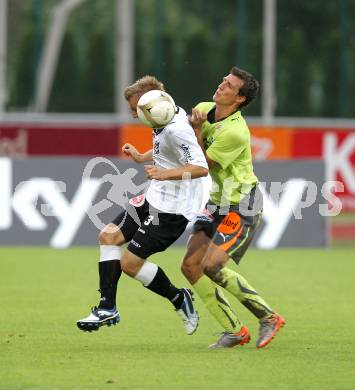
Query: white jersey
pixel 174 146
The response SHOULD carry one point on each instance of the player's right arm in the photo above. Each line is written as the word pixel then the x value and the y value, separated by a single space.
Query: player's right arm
pixel 196 120
pixel 130 151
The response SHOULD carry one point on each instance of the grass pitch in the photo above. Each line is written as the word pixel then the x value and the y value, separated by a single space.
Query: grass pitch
pixel 44 291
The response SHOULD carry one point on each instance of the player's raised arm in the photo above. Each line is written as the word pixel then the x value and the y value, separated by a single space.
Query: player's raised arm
pixel 196 120
pixel 130 151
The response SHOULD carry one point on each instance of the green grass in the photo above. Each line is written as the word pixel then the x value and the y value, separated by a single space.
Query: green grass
pixel 344 217
pixel 44 291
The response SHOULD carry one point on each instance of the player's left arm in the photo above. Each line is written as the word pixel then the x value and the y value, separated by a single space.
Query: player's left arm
pixel 198 133
pixel 188 171
pixel 130 151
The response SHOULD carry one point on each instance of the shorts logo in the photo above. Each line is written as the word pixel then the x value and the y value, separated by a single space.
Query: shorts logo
pixel 137 201
pixel 207 213
pixel 205 216
pixel 223 236
pixel 135 243
pixel 230 224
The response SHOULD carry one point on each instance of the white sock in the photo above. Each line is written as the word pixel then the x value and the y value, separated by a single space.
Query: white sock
pixel 146 273
pixel 110 252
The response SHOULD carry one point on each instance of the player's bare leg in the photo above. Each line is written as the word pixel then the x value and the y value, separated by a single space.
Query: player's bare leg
pixel 211 294
pixel 191 266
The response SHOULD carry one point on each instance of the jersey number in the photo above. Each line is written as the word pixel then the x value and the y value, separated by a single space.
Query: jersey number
pixel 149 220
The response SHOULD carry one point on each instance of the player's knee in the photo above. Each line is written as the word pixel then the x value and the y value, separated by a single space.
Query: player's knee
pixel 192 270
pixel 105 238
pixel 187 270
pixel 212 271
pixel 111 235
pixel 102 237
pixel 124 265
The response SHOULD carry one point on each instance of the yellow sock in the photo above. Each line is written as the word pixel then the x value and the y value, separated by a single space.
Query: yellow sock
pixel 238 286
pixel 217 304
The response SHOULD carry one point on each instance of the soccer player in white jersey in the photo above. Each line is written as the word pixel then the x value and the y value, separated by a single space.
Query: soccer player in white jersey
pixel 152 222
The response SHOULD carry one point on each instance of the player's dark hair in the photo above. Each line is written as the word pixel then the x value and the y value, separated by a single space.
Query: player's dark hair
pixel 250 85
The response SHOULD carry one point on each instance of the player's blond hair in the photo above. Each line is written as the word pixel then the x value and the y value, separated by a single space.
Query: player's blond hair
pixel 143 85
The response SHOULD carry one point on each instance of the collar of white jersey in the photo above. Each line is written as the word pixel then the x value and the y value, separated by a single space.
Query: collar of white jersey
pixel 158 131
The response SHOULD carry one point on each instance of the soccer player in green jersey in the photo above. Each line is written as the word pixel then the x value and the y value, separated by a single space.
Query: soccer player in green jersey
pixel 231 216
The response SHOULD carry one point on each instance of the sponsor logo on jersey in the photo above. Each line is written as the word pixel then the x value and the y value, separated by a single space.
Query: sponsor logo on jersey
pixel 186 151
pixel 156 147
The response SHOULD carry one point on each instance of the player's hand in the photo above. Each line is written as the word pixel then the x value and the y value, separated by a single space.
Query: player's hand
pixel 197 118
pixel 130 151
pixel 155 173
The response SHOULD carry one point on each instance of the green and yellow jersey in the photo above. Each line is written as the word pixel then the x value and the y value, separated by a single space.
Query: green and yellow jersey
pixel 227 142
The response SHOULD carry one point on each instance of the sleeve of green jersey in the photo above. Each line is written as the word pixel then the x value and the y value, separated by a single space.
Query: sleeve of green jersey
pixel 226 147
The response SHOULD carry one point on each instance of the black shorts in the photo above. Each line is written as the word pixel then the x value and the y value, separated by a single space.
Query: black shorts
pixel 233 229
pixel 148 230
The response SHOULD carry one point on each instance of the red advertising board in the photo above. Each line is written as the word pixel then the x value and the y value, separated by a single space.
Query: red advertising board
pixel 335 146
pixel 337 149
pixel 59 140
